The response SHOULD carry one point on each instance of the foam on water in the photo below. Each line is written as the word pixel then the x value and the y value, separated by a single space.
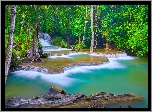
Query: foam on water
pixel 62 56
pixel 63 79
pixel 123 58
pixel 44 43
pixel 86 69
pixel 59 79
pixel 72 54
pixel 57 49
pixel 67 56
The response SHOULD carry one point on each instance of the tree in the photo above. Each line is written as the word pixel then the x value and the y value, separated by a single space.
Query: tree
pixel 92 40
pixel 34 54
pixel 10 44
pixel 131 29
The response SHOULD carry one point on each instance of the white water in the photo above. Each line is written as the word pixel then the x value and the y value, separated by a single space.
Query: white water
pixel 123 58
pixel 63 79
pixel 50 47
pixel 57 49
pixel 66 56
pixel 109 55
pixel 44 42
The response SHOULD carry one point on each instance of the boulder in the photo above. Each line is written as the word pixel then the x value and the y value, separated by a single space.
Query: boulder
pixel 63 92
pixel 53 91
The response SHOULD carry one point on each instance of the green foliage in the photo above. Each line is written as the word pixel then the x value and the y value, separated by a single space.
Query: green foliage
pixel 59 42
pixel 80 45
pixel 125 25
pixel 63 43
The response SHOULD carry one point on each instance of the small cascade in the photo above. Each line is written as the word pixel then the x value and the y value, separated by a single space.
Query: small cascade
pixel 115 55
pixel 110 55
pixel 45 41
pixel 44 36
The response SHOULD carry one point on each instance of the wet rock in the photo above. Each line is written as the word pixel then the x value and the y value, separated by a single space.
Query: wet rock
pixel 63 92
pixel 53 91
pixel 58 54
pixel 129 106
pixel 58 97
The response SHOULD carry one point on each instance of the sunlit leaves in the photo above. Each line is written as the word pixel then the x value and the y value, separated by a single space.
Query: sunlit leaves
pixel 126 25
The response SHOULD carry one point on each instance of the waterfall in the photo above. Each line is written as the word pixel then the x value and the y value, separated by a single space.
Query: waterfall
pixel 44 43
pixel 44 36
pixel 44 39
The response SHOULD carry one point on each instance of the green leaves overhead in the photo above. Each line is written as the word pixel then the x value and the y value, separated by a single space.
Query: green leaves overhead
pixel 125 25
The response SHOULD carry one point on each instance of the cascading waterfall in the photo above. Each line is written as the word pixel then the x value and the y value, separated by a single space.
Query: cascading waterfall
pixel 45 42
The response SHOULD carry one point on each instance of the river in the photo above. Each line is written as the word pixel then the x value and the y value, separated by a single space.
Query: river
pixel 122 75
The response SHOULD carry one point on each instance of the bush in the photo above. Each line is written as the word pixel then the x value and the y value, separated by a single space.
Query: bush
pixel 59 41
pixel 80 45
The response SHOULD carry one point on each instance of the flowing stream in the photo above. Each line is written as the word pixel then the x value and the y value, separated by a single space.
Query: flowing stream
pixel 118 76
pixel 122 75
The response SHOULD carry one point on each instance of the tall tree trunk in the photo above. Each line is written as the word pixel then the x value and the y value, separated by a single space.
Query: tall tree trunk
pixel 96 30
pixel 21 29
pixel 28 34
pixel 35 41
pixel 92 40
pixel 33 53
pixel 79 38
pixel 10 44
pixel 107 44
pixel 85 17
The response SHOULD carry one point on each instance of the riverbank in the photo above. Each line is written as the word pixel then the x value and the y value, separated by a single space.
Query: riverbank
pixel 54 66
pixel 59 99
pixel 98 50
pixel 66 61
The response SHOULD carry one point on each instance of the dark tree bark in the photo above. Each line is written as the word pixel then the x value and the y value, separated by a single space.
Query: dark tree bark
pixel 10 44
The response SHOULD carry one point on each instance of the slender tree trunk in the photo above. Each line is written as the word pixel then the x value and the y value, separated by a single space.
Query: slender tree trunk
pixel 92 40
pixel 34 55
pixel 28 33
pixel 79 38
pixel 21 29
pixel 10 44
pixel 96 22
pixel 85 24
pixel 107 44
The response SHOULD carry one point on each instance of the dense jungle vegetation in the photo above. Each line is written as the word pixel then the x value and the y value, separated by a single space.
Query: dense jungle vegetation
pixel 124 27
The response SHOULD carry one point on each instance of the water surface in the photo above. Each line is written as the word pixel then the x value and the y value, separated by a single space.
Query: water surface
pixel 124 75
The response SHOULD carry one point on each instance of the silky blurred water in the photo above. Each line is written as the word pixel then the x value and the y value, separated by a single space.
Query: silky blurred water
pixel 126 75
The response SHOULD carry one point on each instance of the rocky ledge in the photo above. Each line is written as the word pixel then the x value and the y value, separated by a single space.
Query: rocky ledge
pixel 60 70
pixel 108 55
pixel 56 98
